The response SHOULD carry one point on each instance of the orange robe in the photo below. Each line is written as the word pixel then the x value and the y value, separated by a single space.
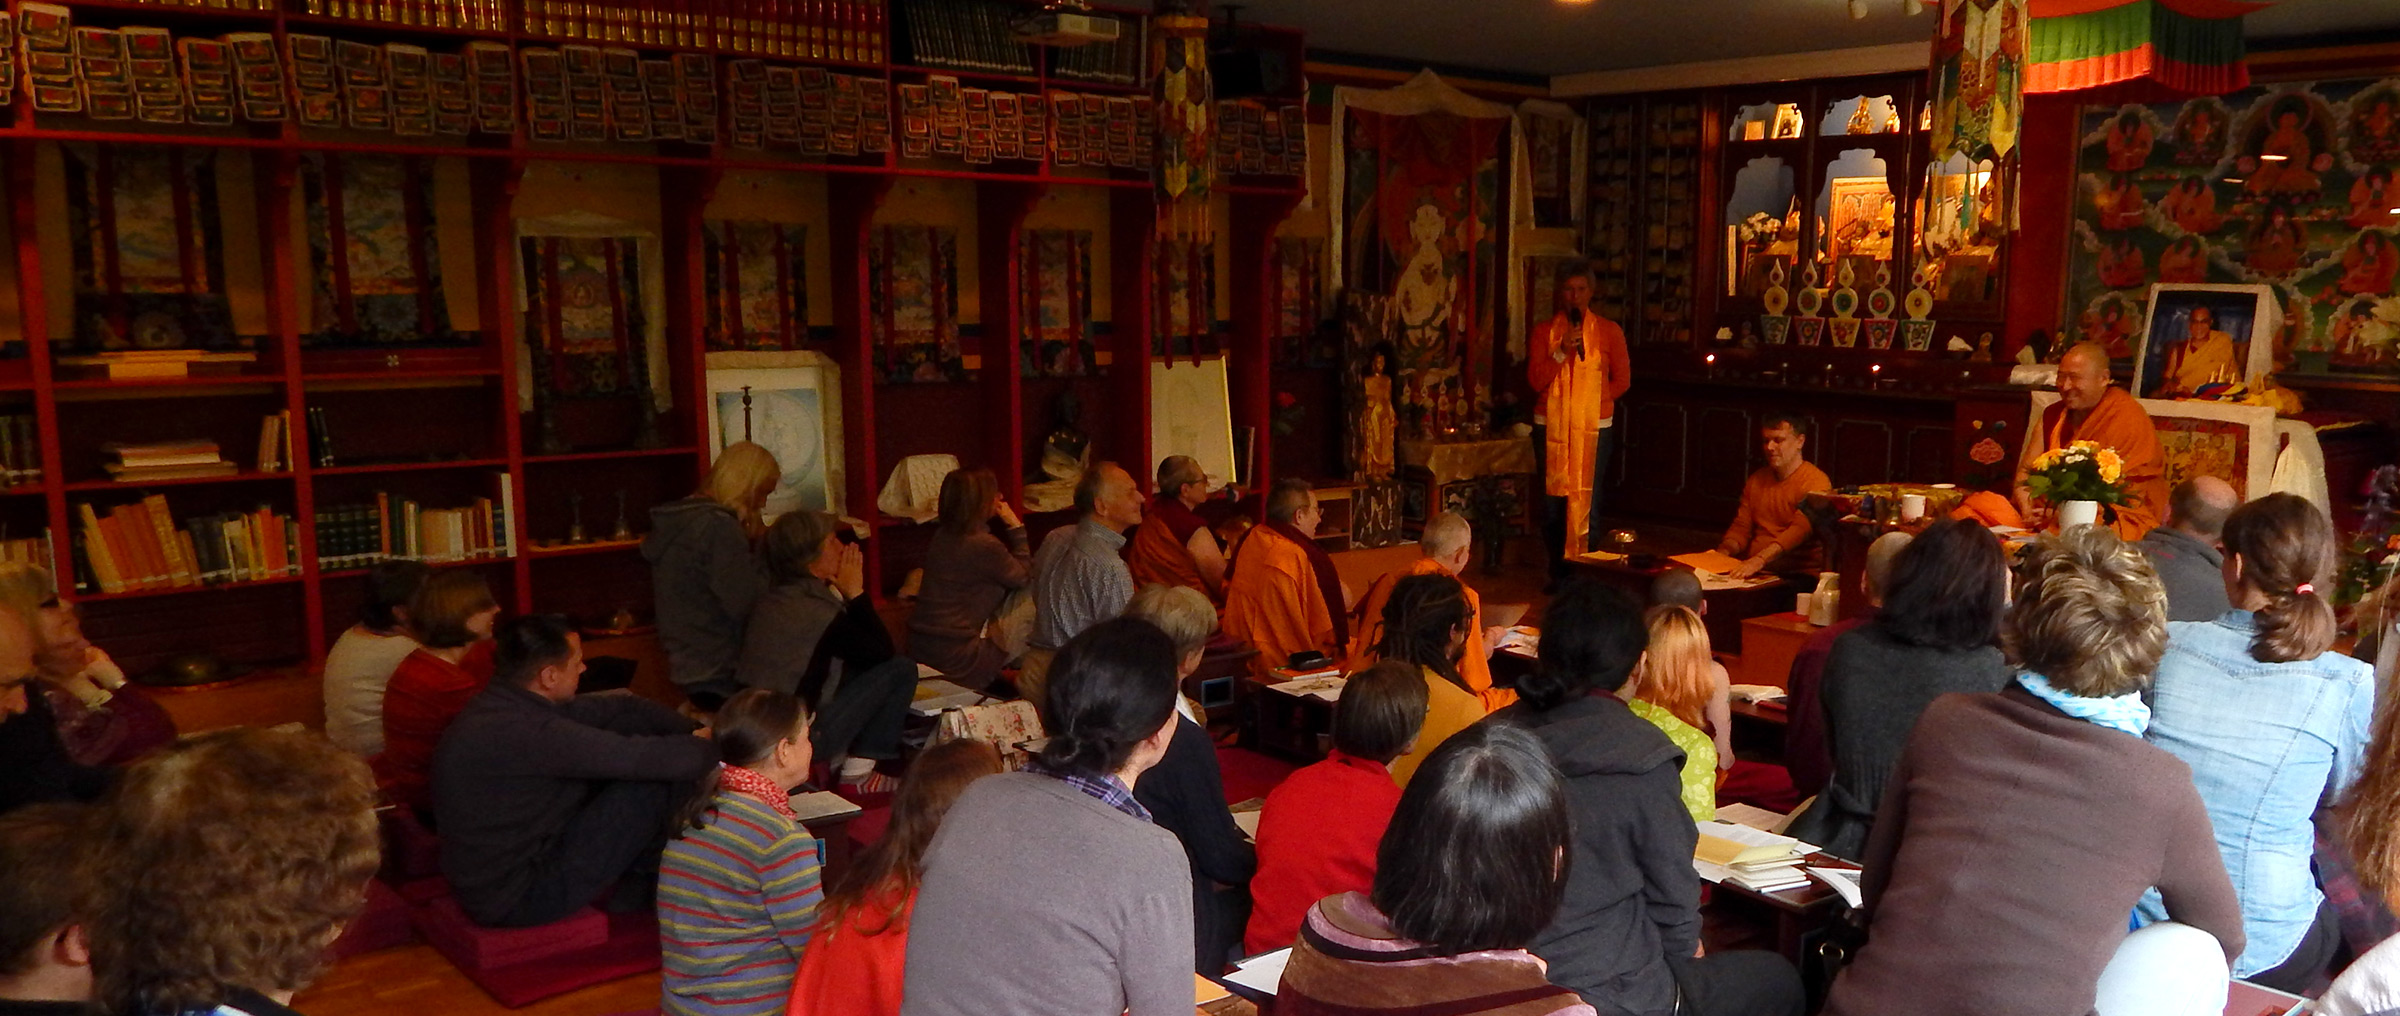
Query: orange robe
pixel 1366 625
pixel 1274 604
pixel 1770 513
pixel 2118 422
pixel 1578 397
pixel 1157 554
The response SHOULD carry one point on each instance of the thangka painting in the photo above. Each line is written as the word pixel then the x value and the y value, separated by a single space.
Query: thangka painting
pixel 2289 186
pixel 756 279
pixel 1056 268
pixel 583 312
pixel 1421 214
pixel 2192 446
pixel 374 253
pixel 148 248
pixel 1299 299
pixel 912 303
pixel 1185 305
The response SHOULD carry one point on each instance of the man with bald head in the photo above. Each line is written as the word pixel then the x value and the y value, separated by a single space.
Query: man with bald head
pixel 2186 551
pixel 1174 546
pixel 1078 578
pixel 1448 543
pixel 1805 752
pixel 2090 408
pixel 1282 595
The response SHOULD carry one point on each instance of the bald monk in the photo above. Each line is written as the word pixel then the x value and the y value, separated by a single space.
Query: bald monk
pixel 1578 369
pixel 1448 543
pixel 1174 546
pixel 1768 532
pixel 2091 408
pixel 1282 595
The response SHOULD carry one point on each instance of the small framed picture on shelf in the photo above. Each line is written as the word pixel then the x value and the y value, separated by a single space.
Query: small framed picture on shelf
pixel 790 403
pixel 2199 342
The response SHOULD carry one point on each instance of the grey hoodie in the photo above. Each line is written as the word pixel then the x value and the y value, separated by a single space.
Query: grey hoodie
pixel 1632 898
pixel 705 577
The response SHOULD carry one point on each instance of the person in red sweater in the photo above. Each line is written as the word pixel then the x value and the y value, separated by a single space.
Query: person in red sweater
pixel 1318 833
pixel 860 947
pixel 451 616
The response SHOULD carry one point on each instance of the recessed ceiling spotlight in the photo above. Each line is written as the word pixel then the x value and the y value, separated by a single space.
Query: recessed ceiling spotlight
pixel 1915 7
pixel 1858 10
pixel 2272 157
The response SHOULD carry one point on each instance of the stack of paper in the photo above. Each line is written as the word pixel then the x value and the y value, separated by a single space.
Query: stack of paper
pixel 1757 693
pixel 1327 686
pixel 1521 640
pixel 819 805
pixel 1262 973
pixel 935 695
pixel 1751 858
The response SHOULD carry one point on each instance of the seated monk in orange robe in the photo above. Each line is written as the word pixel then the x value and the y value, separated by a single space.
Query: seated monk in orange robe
pixel 1174 546
pixel 2089 408
pixel 1282 595
pixel 1448 543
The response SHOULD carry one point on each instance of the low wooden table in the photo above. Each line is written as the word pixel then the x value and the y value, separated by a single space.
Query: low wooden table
pixel 1768 645
pixel 1294 727
pixel 1726 607
pixel 1798 912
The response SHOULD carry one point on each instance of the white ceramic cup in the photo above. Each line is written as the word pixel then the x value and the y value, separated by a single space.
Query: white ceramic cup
pixel 1801 607
pixel 1912 507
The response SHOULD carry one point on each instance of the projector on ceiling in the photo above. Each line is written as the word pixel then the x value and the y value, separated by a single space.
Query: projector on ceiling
pixel 1060 28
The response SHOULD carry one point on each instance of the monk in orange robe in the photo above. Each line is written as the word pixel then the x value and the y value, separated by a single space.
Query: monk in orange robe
pixel 1174 546
pixel 1282 595
pixel 1449 543
pixel 2090 408
pixel 1578 369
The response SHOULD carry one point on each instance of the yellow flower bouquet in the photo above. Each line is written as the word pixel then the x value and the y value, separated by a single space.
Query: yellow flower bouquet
pixel 2083 471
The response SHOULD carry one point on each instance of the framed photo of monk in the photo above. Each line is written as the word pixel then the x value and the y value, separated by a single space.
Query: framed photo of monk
pixel 2203 340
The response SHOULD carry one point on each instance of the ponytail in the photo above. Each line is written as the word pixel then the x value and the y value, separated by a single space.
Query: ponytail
pixel 746 730
pixel 1111 687
pixel 2288 555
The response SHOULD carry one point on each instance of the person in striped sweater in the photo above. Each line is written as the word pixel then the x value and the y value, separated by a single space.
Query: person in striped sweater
pixel 738 889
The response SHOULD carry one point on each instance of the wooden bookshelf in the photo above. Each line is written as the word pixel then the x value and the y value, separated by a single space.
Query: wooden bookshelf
pixel 462 402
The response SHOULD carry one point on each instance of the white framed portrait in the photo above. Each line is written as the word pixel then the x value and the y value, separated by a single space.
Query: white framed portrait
pixel 790 403
pixel 2199 336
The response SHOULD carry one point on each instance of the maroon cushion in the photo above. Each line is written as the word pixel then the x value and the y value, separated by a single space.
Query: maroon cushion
pixel 410 850
pixel 631 948
pixel 474 947
pixel 382 925
pixel 869 826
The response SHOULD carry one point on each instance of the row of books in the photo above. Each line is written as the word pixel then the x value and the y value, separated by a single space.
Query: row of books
pixel 1123 62
pixel 400 529
pixel 139 546
pixel 964 35
pixel 801 29
pixel 166 460
pixel 20 451
pixel 33 550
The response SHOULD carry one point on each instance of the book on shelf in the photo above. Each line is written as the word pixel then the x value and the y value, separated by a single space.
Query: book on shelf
pixel 965 35
pixel 275 442
pixel 166 460
pixel 399 529
pixel 20 450
pixel 320 438
pixel 140 546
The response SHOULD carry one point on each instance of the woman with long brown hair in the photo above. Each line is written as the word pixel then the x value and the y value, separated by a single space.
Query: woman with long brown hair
pixel 854 965
pixel 969 576
pixel 2271 721
pixel 1426 624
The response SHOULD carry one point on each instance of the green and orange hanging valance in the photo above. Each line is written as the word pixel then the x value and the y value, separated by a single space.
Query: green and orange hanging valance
pixel 2187 47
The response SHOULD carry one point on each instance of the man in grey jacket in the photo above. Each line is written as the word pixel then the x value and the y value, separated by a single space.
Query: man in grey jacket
pixel 2185 551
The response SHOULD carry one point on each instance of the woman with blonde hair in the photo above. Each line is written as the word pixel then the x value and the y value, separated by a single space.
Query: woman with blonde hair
pixel 705 571
pixel 1672 689
pixel 222 867
pixel 99 720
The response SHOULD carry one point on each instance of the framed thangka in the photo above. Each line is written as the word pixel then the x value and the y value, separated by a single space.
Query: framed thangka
pixel 589 290
pixel 2287 186
pixel 912 303
pixel 1300 303
pixel 756 274
pixel 790 403
pixel 374 253
pixel 148 248
pixel 1055 266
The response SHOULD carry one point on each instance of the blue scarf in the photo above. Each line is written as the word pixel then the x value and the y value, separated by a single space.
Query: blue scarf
pixel 2124 712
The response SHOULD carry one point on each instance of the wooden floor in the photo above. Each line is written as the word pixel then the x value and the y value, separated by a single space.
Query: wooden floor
pixel 416 981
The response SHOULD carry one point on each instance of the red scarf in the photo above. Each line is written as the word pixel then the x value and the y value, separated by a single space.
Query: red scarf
pixel 1181 521
pixel 1329 581
pixel 748 781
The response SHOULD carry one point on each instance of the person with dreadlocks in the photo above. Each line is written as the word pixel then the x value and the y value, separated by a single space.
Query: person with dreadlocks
pixel 1427 624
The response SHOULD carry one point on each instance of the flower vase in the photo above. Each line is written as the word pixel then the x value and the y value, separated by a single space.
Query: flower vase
pixel 2078 513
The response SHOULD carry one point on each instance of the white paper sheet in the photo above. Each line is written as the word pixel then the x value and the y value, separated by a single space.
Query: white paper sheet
pixel 1261 973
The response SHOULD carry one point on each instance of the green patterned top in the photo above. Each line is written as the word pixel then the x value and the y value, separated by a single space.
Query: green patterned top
pixel 1699 759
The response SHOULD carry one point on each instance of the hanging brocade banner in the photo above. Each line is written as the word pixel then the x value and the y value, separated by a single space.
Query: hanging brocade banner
pixel 1299 297
pixel 1184 314
pixel 1187 127
pixel 373 252
pixel 583 311
pixel 2159 49
pixel 1056 335
pixel 756 282
pixel 1979 59
pixel 912 303
pixel 148 248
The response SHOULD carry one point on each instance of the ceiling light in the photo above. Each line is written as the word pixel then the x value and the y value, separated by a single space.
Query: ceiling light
pixel 2271 157
pixel 1574 3
pixel 1915 7
pixel 2232 179
pixel 1858 10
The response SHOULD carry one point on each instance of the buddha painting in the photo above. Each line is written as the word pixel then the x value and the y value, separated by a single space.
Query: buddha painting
pixel 2368 266
pixel 2288 148
pixel 2371 200
pixel 2375 125
pixel 2129 141
pixel 2185 260
pixel 2200 133
pixel 2273 248
pixel 2192 206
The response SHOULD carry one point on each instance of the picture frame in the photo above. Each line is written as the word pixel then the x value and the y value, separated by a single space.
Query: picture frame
pixel 794 410
pixel 2167 366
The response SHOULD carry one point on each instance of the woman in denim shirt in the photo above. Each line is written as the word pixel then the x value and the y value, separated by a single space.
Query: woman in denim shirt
pixel 2271 723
